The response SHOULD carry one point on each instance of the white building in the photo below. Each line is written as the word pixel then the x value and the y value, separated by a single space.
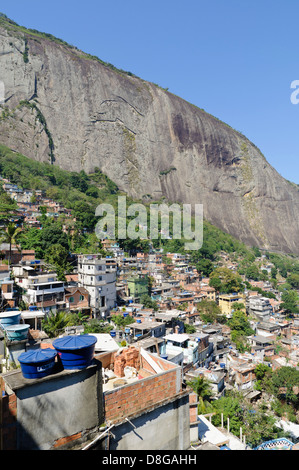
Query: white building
pixel 40 288
pixel 95 274
pixel 181 342
pixel 260 306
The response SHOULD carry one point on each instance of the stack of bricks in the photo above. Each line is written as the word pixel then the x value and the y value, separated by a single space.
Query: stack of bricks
pixel 119 365
pixel 129 357
pixel 132 358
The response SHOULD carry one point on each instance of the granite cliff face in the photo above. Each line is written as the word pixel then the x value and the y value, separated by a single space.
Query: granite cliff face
pixel 64 107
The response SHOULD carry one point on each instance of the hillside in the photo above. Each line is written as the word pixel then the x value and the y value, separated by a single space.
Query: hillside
pixel 74 111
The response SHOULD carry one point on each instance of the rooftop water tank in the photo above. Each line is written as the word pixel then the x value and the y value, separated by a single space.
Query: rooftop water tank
pixel 38 363
pixel 17 332
pixel 10 318
pixel 75 351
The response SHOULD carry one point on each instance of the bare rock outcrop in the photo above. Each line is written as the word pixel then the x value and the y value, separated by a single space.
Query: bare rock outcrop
pixel 63 106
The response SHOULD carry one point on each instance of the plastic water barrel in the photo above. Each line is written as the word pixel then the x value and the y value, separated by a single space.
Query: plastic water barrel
pixel 75 351
pixel 10 318
pixel 37 363
pixel 17 332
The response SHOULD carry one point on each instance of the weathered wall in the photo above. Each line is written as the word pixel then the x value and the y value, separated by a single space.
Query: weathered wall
pixel 51 412
pixel 164 427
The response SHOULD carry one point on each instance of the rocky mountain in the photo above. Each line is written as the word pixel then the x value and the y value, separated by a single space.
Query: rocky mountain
pixel 71 109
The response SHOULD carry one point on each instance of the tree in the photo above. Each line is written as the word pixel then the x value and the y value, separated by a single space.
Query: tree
pixel 209 311
pixel 8 207
pixel 274 272
pixel 148 302
pixel 225 280
pixel 252 272
pixel 31 239
pixel 97 326
pixel 52 234
pixel 290 301
pixel 120 321
pixel 293 280
pixel 55 323
pixel 56 256
pixel 10 235
pixel 259 425
pixel 204 267
pixel 202 387
pixel 240 329
pixel 78 318
pixel 263 375
pixel 230 407
pixel 189 329
pixel 285 381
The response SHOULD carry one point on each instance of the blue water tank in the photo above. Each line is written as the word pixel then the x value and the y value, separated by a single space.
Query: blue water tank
pixel 17 332
pixel 113 333
pixel 10 318
pixel 75 351
pixel 38 363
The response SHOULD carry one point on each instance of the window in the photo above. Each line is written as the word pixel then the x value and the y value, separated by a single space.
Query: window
pixel 81 297
pixel 72 300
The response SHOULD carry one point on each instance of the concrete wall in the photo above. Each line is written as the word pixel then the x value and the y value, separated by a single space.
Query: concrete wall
pixel 56 410
pixel 166 427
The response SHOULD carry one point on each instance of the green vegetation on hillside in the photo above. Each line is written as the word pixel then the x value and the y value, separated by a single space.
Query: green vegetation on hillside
pixel 82 193
pixel 76 191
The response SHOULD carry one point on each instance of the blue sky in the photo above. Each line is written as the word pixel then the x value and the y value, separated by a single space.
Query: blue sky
pixel 234 58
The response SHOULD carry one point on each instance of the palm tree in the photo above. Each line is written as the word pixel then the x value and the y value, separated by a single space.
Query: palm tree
pixel 10 235
pixel 55 323
pixel 202 387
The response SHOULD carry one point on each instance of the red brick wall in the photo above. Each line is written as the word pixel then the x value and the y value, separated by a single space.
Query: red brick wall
pixel 193 407
pixel 66 440
pixel 131 399
pixel 106 358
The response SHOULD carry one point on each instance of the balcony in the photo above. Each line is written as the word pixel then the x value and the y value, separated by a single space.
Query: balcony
pixel 46 288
